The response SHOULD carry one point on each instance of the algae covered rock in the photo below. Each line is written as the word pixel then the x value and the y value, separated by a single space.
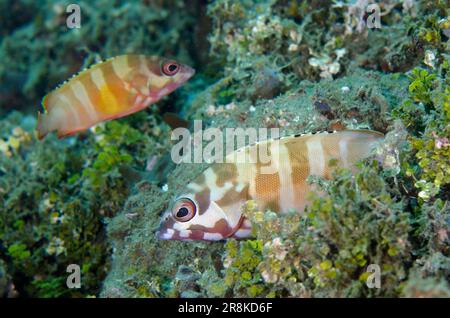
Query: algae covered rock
pixel 55 196
pixel 288 257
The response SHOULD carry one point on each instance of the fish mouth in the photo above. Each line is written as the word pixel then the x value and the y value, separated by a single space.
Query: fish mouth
pixel 170 234
pixel 163 235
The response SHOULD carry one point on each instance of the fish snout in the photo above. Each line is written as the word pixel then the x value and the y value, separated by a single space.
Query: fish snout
pixel 163 234
pixel 165 231
pixel 187 72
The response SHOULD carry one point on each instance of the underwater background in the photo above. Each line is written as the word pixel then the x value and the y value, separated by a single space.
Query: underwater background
pixel 96 199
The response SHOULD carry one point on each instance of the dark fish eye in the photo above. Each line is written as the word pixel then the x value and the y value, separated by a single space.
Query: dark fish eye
pixel 184 210
pixel 170 68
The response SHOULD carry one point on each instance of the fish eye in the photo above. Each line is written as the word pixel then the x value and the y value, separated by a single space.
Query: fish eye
pixel 184 210
pixel 170 68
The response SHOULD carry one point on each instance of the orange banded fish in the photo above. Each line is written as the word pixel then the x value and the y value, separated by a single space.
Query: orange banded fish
pixel 210 206
pixel 111 89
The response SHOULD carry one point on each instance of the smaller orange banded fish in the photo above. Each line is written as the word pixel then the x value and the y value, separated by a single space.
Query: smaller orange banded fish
pixel 111 89
pixel 210 206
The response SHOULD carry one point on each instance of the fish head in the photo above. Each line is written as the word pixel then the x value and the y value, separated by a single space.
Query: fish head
pixel 193 216
pixel 178 73
pixel 163 76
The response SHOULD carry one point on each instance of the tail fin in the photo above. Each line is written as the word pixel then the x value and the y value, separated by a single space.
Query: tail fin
pixel 42 125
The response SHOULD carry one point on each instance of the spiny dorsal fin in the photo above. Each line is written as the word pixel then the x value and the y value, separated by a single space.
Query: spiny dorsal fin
pixel 72 78
pixel 298 135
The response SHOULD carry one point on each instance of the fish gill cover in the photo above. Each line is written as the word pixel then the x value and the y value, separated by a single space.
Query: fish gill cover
pixel 97 199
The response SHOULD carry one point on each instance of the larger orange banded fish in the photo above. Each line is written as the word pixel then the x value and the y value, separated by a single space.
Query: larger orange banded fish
pixel 111 89
pixel 210 206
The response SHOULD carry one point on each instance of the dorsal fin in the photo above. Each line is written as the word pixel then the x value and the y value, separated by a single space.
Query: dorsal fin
pixel 72 78
pixel 288 137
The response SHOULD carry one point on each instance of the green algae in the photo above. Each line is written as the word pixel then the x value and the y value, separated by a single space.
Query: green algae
pixel 56 202
pixel 245 268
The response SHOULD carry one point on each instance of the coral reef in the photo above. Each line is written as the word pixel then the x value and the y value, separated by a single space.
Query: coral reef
pixel 310 40
pixel 309 255
pixel 55 196
pixel 265 53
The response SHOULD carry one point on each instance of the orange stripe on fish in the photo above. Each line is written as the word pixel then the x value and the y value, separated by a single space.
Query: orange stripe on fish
pixel 111 89
pixel 210 206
